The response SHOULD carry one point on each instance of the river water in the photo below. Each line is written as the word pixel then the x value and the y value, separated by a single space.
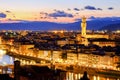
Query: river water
pixel 6 60
pixel 73 76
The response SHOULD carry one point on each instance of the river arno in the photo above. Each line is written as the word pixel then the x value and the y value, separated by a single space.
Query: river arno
pixel 6 60
pixel 73 76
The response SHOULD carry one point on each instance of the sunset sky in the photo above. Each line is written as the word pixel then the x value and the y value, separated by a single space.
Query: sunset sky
pixel 57 10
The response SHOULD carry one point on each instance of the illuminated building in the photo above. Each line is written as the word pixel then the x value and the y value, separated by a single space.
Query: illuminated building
pixel 103 42
pixel 86 60
pixel 84 37
pixel 24 49
pixel 83 26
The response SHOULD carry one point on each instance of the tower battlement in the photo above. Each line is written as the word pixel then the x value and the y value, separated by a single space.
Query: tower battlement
pixel 83 26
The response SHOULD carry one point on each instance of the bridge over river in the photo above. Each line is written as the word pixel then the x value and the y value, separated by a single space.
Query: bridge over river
pixel 74 72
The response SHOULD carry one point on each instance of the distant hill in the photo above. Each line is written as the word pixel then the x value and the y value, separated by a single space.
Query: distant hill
pixel 111 27
pixel 93 24
pixel 39 26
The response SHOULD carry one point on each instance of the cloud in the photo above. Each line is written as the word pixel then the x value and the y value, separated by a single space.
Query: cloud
pixel 9 19
pixel 92 8
pixel 69 9
pixel 110 8
pixel 55 18
pixel 76 13
pixel 59 13
pixel 99 9
pixel 43 13
pixel 3 15
pixel 76 9
pixel 54 10
pixel 78 19
pixel 8 11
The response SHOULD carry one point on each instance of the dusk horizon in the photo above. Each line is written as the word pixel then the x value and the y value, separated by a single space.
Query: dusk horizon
pixel 92 24
pixel 56 11
pixel 58 15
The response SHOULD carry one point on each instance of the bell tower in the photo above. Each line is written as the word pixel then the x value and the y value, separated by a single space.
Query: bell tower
pixel 83 26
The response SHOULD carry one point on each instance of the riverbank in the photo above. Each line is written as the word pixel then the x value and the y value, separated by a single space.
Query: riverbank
pixel 94 71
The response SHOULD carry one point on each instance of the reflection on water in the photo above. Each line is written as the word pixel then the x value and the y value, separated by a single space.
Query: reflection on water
pixel 5 60
pixel 73 76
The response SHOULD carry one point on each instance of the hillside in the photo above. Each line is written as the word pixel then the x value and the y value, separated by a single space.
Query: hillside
pixel 94 24
pixel 111 27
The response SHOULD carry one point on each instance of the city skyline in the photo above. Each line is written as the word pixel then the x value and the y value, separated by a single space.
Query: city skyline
pixel 56 11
